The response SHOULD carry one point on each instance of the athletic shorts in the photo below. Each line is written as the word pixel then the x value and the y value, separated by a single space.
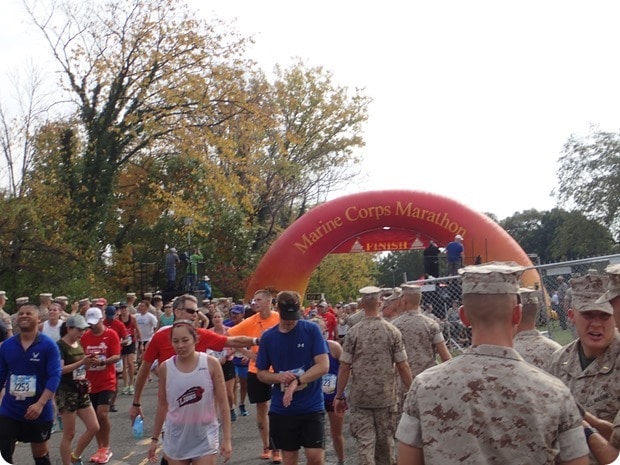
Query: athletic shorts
pixel 258 392
pixel 25 431
pixel 329 405
pixel 101 398
pixel 241 371
pixel 292 432
pixel 229 370
pixel 130 349
pixel 71 401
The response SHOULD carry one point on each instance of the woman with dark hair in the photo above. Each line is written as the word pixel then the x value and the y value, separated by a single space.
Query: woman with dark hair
pixel 72 396
pixel 191 393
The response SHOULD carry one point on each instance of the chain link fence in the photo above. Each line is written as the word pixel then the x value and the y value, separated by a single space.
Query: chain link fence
pixel 441 299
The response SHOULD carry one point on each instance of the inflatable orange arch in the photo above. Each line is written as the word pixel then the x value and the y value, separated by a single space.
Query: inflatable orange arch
pixel 299 250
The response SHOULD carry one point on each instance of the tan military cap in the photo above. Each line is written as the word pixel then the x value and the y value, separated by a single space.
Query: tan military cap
pixel 370 290
pixel 62 299
pixel 528 296
pixel 148 295
pixel 613 285
pixel 83 301
pixel 395 295
pixel 45 295
pixel 3 294
pixel 491 278
pixel 411 289
pixel 585 292
pixel 22 300
pixel 131 294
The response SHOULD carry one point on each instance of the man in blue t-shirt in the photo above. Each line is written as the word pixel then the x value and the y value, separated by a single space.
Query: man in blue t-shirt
pixel 454 252
pixel 30 374
pixel 297 353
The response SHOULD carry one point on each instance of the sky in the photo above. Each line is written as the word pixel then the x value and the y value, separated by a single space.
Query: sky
pixel 471 100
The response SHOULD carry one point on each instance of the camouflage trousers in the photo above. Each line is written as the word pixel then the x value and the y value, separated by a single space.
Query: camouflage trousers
pixel 373 430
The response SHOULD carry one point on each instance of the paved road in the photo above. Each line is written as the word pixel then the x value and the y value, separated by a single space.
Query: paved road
pixel 130 451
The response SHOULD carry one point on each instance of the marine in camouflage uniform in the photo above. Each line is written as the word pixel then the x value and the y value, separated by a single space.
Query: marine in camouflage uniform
pixel 371 350
pixel 534 347
pixel 590 366
pixel 488 406
pixel 422 336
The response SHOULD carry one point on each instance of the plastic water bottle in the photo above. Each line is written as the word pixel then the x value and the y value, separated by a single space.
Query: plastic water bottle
pixel 138 427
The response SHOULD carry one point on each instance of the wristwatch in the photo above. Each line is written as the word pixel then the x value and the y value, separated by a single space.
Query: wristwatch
pixel 298 380
pixel 589 431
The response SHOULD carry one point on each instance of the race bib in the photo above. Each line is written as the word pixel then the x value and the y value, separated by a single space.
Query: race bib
pixel 119 365
pixel 329 383
pixel 23 386
pixel 298 372
pixel 79 373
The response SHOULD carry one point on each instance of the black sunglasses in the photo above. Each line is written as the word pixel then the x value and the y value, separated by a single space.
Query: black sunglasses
pixel 191 311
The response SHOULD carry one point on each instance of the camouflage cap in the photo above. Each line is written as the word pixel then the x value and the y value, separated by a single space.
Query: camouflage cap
pixel 613 285
pixel 491 278
pixel 528 296
pixel 585 292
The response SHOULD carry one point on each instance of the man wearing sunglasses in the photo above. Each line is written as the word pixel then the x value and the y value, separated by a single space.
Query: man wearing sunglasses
pixel 160 347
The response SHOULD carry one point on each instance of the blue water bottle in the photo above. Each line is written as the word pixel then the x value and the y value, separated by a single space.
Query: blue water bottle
pixel 138 427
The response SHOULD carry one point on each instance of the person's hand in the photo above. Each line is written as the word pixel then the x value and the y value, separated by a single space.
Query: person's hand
pixel 340 406
pixel 152 452
pixel 134 412
pixel 288 394
pixel 226 449
pixel 33 411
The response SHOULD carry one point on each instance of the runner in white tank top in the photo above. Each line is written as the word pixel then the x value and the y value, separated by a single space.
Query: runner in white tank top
pixel 191 385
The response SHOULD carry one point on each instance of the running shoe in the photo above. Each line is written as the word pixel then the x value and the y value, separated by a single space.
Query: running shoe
pixel 131 390
pixel 233 415
pixel 105 456
pixel 242 411
pixel 125 391
pixel 276 457
pixel 266 455
pixel 76 460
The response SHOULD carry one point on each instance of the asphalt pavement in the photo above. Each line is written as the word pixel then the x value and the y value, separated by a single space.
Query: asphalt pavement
pixel 130 451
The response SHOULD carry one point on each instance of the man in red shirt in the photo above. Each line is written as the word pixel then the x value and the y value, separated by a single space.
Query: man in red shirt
pixel 115 324
pixel 160 347
pixel 331 322
pixel 103 349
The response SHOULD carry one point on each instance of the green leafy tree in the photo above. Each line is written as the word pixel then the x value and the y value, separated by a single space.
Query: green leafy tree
pixel 394 266
pixel 589 176
pixel 341 276
pixel 558 235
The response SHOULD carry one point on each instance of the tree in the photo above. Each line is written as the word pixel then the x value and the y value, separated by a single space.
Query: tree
pixel 341 276
pixel 393 267
pixel 136 71
pixel 558 235
pixel 589 176
pixel 312 129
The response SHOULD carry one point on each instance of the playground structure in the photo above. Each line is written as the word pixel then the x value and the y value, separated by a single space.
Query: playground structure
pixel 355 223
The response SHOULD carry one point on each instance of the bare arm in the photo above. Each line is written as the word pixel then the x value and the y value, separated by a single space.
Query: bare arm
pixel 409 455
pixel 240 341
pixel 160 414
pixel 141 377
pixel 444 353
pixel 405 373
pixel 221 400
pixel 340 404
